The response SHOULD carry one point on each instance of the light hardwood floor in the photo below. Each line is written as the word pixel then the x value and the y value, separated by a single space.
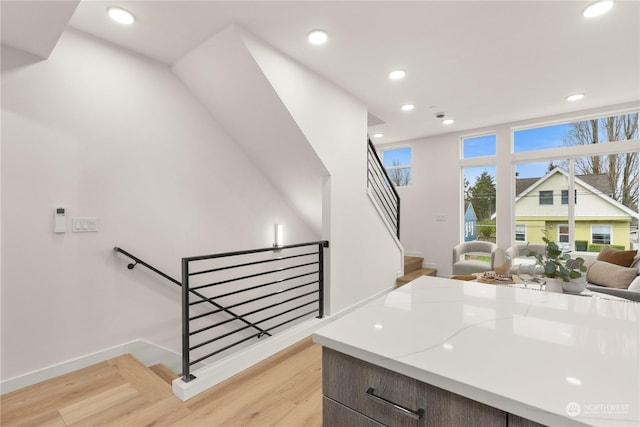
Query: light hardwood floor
pixel 284 390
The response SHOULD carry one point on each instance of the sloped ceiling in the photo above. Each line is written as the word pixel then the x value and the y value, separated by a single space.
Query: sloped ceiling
pixel 34 27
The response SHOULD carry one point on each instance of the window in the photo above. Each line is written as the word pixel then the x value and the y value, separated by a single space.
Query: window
pixel 596 165
pixel 565 197
pixel 600 130
pixel 479 146
pixel 545 197
pixel 601 234
pixel 479 188
pixel 563 236
pixel 397 162
pixel 521 232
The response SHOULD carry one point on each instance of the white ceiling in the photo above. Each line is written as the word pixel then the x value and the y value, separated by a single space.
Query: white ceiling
pixel 480 62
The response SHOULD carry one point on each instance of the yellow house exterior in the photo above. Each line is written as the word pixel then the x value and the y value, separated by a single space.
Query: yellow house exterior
pixel 542 209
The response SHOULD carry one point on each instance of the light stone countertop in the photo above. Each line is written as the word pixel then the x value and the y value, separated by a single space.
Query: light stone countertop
pixel 553 358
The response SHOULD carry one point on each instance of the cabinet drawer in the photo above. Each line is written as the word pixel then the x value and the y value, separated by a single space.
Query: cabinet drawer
pixel 337 415
pixel 398 400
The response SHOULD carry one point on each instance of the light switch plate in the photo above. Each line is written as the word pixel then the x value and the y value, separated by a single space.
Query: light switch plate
pixel 84 224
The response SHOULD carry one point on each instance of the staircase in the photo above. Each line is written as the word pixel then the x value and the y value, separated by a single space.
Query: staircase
pixel 413 269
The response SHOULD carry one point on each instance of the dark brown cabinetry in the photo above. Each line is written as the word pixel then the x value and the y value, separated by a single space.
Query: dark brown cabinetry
pixel 357 393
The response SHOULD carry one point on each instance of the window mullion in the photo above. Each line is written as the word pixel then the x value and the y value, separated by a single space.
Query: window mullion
pixel 571 205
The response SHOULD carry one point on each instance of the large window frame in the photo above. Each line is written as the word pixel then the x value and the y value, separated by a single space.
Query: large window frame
pixel 476 160
pixel 571 153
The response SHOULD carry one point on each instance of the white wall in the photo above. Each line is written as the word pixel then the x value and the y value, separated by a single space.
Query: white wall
pixel 436 186
pixel 110 134
pixel 365 259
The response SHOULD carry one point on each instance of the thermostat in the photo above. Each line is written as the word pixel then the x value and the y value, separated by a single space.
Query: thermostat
pixel 60 220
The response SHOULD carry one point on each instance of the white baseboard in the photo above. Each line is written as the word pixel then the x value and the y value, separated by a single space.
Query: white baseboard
pixel 147 353
pixel 412 253
pixel 223 369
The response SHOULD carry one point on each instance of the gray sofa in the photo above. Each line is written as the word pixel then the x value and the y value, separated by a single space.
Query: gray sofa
pixel 612 279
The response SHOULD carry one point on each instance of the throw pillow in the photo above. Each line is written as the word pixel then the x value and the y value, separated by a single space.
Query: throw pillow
pixel 617 256
pixel 610 275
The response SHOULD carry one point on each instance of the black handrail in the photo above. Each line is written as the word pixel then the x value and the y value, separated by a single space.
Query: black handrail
pixel 385 192
pixel 196 293
pixel 233 283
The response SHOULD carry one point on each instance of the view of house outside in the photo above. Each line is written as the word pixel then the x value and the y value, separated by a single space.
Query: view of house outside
pixel 604 207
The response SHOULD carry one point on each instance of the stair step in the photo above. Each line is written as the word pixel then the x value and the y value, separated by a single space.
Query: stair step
pixel 163 372
pixel 412 263
pixel 414 275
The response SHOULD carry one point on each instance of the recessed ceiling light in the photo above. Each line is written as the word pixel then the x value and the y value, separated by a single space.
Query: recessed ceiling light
pixel 447 122
pixel 575 97
pixel 397 74
pixel 573 380
pixel 378 135
pixel 598 8
pixel 407 107
pixel 318 37
pixel 120 15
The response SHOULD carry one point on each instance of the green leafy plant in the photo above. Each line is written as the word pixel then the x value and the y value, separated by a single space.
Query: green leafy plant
pixel 558 264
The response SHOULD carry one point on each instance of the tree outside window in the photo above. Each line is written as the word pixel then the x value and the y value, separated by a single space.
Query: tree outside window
pixel 397 162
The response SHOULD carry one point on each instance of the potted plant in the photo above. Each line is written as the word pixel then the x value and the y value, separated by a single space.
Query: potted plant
pixel 560 269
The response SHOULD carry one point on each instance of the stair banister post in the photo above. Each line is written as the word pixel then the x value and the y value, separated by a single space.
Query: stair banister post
pixel 186 376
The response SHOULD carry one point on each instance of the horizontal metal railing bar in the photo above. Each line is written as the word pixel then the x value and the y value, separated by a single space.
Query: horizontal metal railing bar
pixel 250 337
pixel 324 243
pixel 259 299
pixel 250 313
pixel 247 314
pixel 198 294
pixel 246 264
pixel 262 285
pixel 287 273
pixel 247 339
pixel 200 316
pixel 251 276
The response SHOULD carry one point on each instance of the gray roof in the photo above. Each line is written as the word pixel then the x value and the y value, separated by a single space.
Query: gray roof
pixel 598 181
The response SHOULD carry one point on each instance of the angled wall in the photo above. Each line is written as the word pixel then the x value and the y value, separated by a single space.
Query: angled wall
pixel 107 133
pixel 276 109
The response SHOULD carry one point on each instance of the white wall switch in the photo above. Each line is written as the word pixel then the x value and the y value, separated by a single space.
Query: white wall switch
pixel 84 224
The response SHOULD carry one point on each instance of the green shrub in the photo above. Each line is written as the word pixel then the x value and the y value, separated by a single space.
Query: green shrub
pixel 581 245
pixel 598 248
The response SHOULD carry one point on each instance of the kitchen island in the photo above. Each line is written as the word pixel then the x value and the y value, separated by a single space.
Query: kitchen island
pixel 446 352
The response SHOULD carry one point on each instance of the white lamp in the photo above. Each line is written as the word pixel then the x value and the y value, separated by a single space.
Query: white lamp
pixel 277 235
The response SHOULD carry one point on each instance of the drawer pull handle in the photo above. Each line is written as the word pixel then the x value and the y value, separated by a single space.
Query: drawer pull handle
pixel 413 414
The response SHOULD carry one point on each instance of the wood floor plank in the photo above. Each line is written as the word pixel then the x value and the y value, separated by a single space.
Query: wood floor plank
pixel 284 390
pixel 142 379
pixel 307 413
pixel 164 372
pixel 25 405
pixel 97 403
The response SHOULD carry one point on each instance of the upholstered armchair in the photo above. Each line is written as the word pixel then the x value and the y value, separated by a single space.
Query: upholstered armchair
pixel 518 254
pixel 469 257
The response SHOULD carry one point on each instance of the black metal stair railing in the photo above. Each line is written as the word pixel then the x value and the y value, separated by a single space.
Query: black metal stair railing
pixel 269 288
pixel 382 189
pixel 137 261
